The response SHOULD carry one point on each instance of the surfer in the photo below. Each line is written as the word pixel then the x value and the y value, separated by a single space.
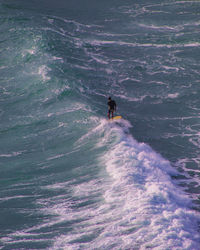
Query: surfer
pixel 111 107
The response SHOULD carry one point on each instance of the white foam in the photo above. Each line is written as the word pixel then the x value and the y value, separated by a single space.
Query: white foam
pixel 174 95
pixel 99 60
pixel 142 208
pixel 142 188
pixel 12 154
pixel 43 71
pixel 156 45
pixel 71 108
pixel 171 68
pixel 138 205
pixel 31 51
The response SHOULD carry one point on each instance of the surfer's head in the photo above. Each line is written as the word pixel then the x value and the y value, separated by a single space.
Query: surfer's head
pixel 109 98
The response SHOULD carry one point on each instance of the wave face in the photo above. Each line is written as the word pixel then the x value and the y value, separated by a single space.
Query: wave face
pixel 69 178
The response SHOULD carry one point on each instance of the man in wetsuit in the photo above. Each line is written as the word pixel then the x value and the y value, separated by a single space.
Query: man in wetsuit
pixel 111 107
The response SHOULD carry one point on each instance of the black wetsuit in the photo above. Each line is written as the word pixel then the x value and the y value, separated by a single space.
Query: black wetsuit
pixel 111 107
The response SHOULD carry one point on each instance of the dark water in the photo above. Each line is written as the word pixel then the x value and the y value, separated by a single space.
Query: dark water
pixel 69 178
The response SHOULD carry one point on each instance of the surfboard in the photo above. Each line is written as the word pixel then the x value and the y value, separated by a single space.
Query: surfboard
pixel 116 117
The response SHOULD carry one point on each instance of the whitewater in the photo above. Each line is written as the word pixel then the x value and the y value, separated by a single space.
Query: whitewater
pixel 71 179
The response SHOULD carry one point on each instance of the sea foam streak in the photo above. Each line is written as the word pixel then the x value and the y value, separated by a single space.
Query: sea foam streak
pixel 141 206
pixel 146 198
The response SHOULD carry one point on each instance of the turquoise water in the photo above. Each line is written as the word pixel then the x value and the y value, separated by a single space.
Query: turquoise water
pixel 69 178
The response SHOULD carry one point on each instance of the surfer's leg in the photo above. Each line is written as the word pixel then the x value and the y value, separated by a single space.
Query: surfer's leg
pixel 108 114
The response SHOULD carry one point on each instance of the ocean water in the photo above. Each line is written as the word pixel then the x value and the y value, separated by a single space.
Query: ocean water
pixel 69 178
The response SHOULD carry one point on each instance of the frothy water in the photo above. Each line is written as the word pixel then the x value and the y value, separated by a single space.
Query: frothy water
pixel 70 179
